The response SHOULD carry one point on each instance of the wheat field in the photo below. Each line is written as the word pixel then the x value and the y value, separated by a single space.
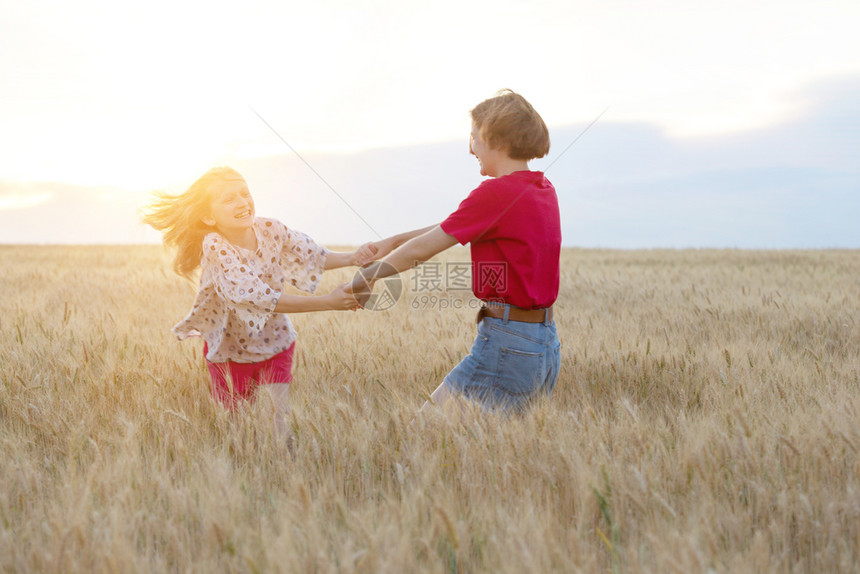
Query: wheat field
pixel 705 420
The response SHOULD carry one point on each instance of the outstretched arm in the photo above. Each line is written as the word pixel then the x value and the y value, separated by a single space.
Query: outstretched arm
pixel 338 259
pixel 414 251
pixel 378 249
pixel 338 300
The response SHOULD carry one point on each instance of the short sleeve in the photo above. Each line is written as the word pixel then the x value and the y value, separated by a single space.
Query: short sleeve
pixel 302 260
pixel 477 216
pixel 247 296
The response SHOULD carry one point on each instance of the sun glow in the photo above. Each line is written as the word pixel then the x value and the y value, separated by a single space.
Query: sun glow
pixel 89 98
pixel 23 201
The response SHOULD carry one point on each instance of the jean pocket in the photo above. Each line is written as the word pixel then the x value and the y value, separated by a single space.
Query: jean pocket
pixel 520 373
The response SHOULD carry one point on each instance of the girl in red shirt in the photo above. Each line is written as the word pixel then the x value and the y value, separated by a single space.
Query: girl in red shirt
pixel 513 225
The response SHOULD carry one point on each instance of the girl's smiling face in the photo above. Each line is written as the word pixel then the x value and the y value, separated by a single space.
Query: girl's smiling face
pixel 231 206
pixel 487 158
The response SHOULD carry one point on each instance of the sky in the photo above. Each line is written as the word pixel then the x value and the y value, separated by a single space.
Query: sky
pixel 126 98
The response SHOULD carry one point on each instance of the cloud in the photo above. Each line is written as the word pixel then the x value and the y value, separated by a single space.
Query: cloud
pixel 796 184
pixel 622 185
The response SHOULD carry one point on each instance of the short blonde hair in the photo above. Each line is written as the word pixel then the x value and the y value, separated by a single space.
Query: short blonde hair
pixel 180 218
pixel 508 122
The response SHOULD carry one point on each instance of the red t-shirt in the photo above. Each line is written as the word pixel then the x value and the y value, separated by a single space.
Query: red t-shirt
pixel 514 227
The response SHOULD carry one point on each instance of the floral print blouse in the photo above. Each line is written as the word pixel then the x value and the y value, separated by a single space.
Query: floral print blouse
pixel 234 310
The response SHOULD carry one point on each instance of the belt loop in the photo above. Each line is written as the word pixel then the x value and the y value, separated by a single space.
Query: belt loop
pixel 546 320
pixel 507 312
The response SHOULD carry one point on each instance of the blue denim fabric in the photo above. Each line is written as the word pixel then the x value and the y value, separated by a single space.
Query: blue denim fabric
pixel 511 363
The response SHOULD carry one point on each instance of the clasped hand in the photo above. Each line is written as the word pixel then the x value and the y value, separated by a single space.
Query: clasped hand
pixel 371 251
pixel 362 285
pixel 360 288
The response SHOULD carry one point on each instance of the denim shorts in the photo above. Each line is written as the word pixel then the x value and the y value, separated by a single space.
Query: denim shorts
pixel 511 363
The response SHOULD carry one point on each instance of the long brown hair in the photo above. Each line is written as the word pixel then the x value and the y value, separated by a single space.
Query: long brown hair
pixel 180 218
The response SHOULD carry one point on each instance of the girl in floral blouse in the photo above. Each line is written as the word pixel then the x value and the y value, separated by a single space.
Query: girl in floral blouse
pixel 241 304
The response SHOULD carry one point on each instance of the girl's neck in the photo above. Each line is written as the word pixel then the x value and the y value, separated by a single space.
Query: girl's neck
pixel 245 237
pixel 510 166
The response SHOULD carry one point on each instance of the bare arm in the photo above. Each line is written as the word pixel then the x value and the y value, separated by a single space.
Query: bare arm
pixel 383 247
pixel 338 300
pixel 416 250
pixel 338 259
pixel 419 249
pixel 400 239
